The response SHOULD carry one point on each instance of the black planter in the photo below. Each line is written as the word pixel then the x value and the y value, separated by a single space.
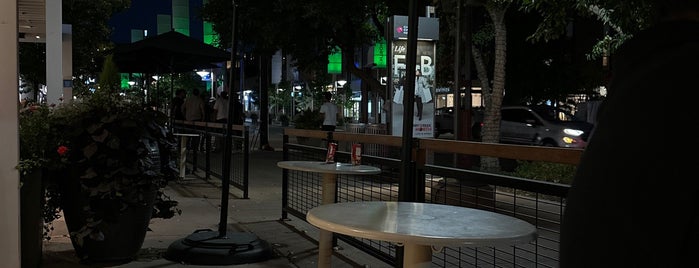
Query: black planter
pixel 120 237
pixel 32 223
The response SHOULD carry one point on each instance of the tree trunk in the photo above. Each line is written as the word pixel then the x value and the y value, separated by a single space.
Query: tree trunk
pixel 493 101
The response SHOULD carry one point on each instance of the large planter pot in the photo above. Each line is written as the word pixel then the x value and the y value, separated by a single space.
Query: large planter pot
pixel 116 239
pixel 32 222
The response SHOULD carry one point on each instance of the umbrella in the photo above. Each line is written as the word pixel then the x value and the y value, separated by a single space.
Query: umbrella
pixel 171 52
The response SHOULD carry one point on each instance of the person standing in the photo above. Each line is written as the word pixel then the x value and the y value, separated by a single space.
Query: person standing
pixel 193 107
pixel 633 201
pixel 423 94
pixel 221 107
pixel 329 111
pixel 220 111
pixel 238 112
pixel 177 103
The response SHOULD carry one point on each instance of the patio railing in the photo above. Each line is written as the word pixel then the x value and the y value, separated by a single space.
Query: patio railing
pixel 446 173
pixel 206 154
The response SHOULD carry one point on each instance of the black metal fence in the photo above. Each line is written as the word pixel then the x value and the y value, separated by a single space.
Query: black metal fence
pixel 206 151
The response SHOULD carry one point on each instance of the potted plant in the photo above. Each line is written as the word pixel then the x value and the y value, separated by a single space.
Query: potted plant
pixel 33 130
pixel 106 160
pixel 284 119
pixel 308 119
pixel 107 173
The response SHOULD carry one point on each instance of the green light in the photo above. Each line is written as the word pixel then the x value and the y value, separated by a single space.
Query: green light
pixel 124 81
pixel 335 62
pixel 380 53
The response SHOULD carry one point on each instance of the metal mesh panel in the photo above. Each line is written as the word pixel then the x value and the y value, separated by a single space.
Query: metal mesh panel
pixel 206 154
pixel 446 182
pixel 543 211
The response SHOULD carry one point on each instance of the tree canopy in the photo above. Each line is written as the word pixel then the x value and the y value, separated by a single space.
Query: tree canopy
pixel 308 31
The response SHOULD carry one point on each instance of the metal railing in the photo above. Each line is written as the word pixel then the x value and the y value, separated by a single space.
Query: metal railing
pixel 206 152
pixel 448 171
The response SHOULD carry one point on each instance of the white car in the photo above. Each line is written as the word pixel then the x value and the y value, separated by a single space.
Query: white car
pixel 543 125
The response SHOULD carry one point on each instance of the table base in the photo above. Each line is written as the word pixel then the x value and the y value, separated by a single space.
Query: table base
pixel 417 256
pixel 325 238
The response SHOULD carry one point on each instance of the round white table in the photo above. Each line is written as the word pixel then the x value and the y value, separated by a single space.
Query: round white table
pixel 421 226
pixel 328 188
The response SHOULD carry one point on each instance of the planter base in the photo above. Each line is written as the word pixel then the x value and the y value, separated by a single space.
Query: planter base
pixel 120 237
pixel 205 247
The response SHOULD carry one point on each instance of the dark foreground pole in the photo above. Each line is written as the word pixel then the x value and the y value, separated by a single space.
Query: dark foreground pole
pixel 208 247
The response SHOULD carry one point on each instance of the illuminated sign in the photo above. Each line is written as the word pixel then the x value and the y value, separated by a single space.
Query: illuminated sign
pixel 335 62
pixel 380 54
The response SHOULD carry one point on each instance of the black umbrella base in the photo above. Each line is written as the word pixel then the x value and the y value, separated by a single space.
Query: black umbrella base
pixel 206 247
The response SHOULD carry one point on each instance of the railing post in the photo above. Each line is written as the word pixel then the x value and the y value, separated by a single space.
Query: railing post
pixel 207 155
pixel 408 185
pixel 246 161
pixel 285 178
pixel 420 158
pixel 195 148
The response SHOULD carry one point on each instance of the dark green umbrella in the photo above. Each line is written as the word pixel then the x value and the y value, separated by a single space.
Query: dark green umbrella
pixel 171 52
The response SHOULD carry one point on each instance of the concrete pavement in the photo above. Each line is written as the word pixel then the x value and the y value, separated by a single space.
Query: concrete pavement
pixel 200 202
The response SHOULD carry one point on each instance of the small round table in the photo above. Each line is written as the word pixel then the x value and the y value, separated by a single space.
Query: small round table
pixel 421 226
pixel 328 188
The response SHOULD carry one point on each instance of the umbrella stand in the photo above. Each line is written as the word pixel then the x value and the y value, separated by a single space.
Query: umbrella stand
pixel 222 247
pixel 208 247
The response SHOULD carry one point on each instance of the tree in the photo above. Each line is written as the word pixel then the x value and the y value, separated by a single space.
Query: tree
pixel 619 15
pixel 91 36
pixel 623 17
pixel 492 94
pixel 32 66
pixel 307 30
pixel 109 79
pixel 90 43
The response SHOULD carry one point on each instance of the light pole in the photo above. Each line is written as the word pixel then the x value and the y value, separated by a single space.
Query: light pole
pixel 341 84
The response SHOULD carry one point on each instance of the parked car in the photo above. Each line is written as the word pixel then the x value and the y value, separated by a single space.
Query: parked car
pixel 529 125
pixel 444 120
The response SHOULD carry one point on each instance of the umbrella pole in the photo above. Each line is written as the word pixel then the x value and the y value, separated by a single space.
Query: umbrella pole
pixel 209 247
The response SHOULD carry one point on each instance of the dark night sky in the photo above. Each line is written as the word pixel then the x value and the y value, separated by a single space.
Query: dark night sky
pixel 143 15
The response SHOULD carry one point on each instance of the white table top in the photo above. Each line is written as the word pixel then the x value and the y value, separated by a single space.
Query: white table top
pixel 332 168
pixel 185 134
pixel 422 224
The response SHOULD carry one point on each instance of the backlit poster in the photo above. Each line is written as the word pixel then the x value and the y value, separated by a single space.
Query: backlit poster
pixel 423 104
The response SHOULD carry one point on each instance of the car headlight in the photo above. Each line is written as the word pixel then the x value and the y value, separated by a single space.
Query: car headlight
pixel 573 132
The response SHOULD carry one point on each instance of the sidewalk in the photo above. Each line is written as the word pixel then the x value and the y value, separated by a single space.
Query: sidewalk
pixel 200 202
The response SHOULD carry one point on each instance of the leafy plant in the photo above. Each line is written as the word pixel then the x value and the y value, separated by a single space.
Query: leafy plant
pixel 115 150
pixel 308 119
pixel 34 138
pixel 284 119
pixel 36 141
pixel 109 145
pixel 551 172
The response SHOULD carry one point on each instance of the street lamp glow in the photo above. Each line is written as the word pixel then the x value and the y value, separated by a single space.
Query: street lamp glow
pixel 203 74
